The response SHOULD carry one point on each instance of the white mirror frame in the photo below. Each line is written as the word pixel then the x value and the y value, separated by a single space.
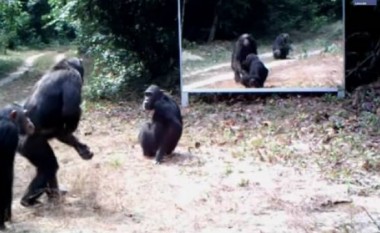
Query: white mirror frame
pixel 339 90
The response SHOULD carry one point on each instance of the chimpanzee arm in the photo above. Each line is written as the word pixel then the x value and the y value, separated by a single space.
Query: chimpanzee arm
pixel 71 111
pixel 82 149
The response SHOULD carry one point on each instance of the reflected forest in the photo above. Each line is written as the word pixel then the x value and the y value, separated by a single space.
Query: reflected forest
pixel 296 43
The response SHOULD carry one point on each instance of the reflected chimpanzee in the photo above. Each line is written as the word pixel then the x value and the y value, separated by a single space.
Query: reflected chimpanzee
pixel 13 122
pixel 244 45
pixel 281 46
pixel 257 72
pixel 54 108
pixel 160 137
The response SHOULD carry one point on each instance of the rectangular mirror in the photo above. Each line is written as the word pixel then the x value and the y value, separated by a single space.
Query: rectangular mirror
pixel 250 46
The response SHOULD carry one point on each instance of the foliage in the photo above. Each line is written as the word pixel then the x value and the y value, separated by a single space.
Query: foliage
pixel 362 45
pixel 26 22
pixel 258 16
pixel 9 64
pixel 10 19
pixel 131 42
pixel 112 71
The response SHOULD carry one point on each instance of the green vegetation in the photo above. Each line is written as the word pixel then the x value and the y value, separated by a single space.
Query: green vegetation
pixel 206 21
pixel 8 64
pixel 127 43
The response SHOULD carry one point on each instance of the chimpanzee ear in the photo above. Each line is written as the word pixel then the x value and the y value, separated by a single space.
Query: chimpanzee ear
pixel 13 115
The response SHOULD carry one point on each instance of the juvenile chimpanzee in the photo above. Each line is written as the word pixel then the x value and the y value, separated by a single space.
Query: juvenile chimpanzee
pixel 281 46
pixel 160 137
pixel 13 122
pixel 244 45
pixel 54 108
pixel 257 72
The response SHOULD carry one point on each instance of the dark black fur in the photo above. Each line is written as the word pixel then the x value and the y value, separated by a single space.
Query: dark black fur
pixel 257 72
pixel 13 121
pixel 160 137
pixel 54 108
pixel 244 45
pixel 281 46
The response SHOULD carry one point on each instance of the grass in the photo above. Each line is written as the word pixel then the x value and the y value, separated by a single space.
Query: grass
pixel 9 64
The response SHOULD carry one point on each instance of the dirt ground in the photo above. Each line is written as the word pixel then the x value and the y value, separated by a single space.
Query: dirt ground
pixel 269 165
pixel 317 71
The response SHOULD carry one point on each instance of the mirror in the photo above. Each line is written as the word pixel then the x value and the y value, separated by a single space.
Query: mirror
pixel 261 46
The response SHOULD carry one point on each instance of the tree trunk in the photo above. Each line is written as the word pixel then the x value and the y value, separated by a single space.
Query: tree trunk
pixel 214 25
pixel 183 14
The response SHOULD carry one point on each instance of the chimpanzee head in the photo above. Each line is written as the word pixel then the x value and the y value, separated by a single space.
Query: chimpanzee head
pixel 151 95
pixel 286 38
pixel 247 39
pixel 77 64
pixel 251 58
pixel 251 81
pixel 19 116
pixel 73 62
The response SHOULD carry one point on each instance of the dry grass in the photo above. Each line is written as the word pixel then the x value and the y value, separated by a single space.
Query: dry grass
pixel 259 167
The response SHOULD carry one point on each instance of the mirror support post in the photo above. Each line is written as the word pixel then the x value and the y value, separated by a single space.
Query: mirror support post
pixel 184 99
pixel 341 93
pixel 342 89
pixel 184 95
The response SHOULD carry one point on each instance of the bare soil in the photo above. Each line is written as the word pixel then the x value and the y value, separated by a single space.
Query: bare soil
pixel 269 165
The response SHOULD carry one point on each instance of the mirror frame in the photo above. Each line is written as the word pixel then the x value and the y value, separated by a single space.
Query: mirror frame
pixel 339 90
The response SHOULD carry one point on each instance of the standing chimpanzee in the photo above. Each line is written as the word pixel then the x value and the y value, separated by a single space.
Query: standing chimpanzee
pixel 281 46
pixel 257 72
pixel 160 137
pixel 54 108
pixel 244 45
pixel 13 122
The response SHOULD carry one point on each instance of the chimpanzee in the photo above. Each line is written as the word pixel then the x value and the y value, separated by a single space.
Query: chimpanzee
pixel 244 45
pixel 281 46
pixel 13 122
pixel 160 137
pixel 257 72
pixel 54 108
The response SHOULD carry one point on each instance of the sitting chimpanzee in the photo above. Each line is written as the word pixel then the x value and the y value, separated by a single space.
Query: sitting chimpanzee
pixel 244 45
pixel 257 72
pixel 160 137
pixel 54 109
pixel 13 122
pixel 281 46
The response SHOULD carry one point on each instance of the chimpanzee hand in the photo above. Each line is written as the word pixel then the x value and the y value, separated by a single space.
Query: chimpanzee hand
pixel 84 151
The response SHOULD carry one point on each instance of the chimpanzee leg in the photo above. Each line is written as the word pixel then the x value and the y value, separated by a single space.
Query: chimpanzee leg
pixel 38 151
pixel 52 190
pixel 147 140
pixel 168 142
pixel 237 77
pixel 6 181
pixel 82 149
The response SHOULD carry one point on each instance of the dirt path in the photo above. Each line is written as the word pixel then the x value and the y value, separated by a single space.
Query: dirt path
pixel 17 85
pixel 21 70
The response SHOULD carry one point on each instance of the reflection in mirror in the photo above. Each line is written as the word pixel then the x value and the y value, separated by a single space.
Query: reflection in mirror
pixel 261 44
